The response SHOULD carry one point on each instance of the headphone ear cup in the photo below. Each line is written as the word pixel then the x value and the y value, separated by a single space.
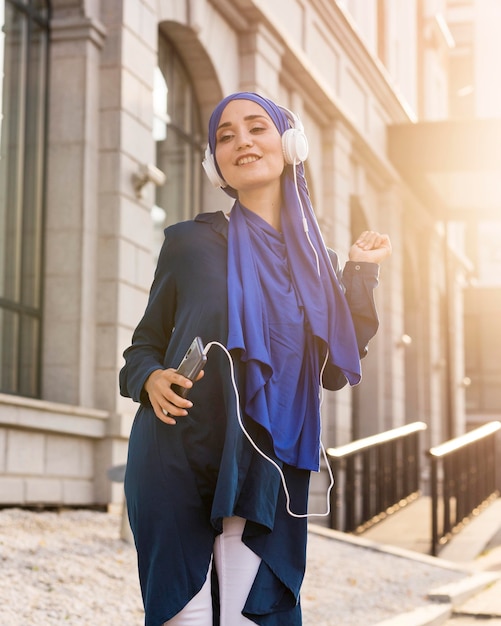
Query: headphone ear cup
pixel 294 146
pixel 210 169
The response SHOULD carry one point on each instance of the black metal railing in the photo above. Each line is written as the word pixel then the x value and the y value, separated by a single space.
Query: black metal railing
pixel 464 476
pixel 374 477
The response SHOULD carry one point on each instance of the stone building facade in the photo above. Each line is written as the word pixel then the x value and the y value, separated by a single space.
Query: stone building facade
pixel 111 90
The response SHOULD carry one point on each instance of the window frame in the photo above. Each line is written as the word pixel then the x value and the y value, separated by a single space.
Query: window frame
pixel 29 202
pixel 185 135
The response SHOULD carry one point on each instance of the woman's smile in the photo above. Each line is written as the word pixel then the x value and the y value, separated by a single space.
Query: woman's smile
pixel 247 159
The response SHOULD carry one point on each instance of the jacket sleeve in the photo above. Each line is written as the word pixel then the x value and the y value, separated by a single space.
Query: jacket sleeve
pixel 152 334
pixel 359 279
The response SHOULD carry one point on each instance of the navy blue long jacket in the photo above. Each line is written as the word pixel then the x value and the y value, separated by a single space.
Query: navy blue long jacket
pixel 182 480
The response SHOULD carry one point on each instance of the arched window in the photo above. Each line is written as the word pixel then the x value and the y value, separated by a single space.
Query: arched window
pixel 24 41
pixel 178 135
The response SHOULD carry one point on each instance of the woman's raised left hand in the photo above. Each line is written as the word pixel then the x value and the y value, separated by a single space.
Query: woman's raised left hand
pixel 370 247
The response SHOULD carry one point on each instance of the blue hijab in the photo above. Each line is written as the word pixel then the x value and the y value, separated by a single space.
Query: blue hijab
pixel 286 310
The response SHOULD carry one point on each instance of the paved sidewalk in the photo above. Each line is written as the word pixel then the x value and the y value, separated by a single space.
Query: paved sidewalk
pixel 353 581
pixel 484 607
pixel 70 567
pixel 477 548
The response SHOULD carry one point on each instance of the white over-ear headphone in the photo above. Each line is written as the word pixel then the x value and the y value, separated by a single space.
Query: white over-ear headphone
pixel 209 166
pixel 294 147
pixel 294 142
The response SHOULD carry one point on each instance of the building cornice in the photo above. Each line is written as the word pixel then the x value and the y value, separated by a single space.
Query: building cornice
pixel 243 13
pixel 370 66
pixel 235 13
pixel 77 28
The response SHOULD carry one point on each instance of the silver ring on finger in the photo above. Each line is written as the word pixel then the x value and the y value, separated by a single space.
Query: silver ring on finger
pixel 165 412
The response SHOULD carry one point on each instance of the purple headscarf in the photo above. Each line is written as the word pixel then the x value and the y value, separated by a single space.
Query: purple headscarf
pixel 319 295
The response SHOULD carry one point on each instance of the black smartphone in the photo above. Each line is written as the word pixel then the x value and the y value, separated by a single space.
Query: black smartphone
pixel 191 365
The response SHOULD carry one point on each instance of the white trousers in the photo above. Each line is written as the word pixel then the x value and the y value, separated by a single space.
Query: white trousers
pixel 236 567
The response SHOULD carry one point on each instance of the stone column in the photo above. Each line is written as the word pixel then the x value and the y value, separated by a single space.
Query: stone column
pixel 126 260
pixel 260 61
pixel 72 209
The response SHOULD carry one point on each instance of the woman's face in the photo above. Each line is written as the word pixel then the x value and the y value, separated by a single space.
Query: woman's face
pixel 248 147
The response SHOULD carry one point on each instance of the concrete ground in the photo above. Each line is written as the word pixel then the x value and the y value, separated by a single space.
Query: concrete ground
pixel 476 547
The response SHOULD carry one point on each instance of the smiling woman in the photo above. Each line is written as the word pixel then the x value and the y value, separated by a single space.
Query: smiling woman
pixel 217 482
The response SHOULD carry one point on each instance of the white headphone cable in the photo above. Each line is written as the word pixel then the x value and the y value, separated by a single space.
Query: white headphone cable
pixel 303 216
pixel 265 456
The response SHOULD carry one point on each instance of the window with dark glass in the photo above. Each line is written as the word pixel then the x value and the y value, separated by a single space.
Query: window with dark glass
pixel 23 89
pixel 178 134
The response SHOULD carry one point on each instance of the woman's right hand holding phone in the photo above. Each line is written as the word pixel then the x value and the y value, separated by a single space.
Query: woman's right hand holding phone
pixel 165 402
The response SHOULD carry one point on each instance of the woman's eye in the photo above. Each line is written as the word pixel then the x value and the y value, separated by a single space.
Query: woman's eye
pixel 224 138
pixel 257 129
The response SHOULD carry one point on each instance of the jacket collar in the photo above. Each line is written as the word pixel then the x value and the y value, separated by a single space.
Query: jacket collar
pixel 217 220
